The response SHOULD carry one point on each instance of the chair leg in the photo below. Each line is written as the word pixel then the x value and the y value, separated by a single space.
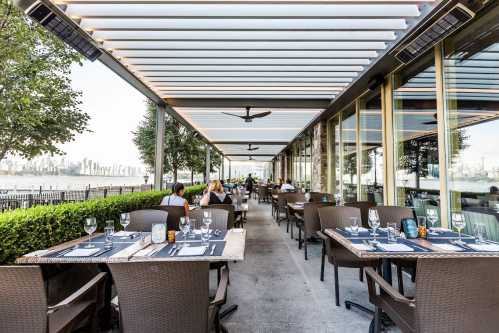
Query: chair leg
pixel 305 249
pixel 400 279
pixel 336 286
pixel 299 238
pixel 377 319
pixel 323 259
pixel 219 274
pixel 361 274
pixel 292 230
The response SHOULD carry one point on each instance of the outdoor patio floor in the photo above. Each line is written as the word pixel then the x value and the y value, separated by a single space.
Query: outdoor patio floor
pixel 278 291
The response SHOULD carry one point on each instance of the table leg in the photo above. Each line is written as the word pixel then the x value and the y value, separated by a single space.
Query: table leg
pixel 228 310
pixel 386 269
pixel 106 312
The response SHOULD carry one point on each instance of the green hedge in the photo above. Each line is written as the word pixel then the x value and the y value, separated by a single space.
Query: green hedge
pixel 40 227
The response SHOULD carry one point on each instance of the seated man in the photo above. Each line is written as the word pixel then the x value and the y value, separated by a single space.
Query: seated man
pixel 288 187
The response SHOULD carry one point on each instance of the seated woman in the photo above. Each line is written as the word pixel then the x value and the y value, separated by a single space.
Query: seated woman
pixel 176 198
pixel 288 187
pixel 215 195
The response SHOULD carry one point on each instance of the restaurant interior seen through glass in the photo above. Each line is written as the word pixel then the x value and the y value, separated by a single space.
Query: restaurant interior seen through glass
pixel 423 138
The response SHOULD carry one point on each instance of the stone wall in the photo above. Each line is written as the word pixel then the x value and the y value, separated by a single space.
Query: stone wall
pixel 319 158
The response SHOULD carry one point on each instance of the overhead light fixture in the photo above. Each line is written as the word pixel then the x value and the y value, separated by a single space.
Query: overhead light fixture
pixel 443 23
pixel 57 25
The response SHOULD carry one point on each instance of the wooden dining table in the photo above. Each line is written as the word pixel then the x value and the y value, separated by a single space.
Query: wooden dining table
pixel 436 246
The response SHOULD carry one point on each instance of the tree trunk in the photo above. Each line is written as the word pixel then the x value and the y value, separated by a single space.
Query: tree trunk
pixel 175 171
pixel 192 177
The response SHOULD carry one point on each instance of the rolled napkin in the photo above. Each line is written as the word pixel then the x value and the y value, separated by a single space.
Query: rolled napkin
pixel 361 229
pixel 192 251
pixel 485 247
pixel 448 247
pixel 82 252
pixel 396 247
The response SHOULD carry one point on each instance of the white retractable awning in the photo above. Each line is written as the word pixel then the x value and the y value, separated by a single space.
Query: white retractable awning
pixel 209 58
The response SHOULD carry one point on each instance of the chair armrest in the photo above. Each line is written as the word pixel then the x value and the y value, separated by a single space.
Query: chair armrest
pixel 322 235
pixel 373 277
pixel 79 294
pixel 221 294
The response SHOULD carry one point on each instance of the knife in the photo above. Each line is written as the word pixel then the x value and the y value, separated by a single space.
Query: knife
pixel 101 252
pixel 213 249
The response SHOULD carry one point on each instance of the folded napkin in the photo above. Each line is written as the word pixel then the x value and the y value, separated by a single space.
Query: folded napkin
pixel 197 231
pixel 440 229
pixel 448 247
pixel 485 247
pixel 82 252
pixel 362 247
pixel 361 229
pixel 238 230
pixel 192 251
pixel 299 203
pixel 396 247
pixel 123 233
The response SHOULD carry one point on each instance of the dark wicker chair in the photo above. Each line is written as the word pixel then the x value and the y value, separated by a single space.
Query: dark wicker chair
pixel 24 308
pixel 220 219
pixel 282 202
pixel 309 223
pixel 319 196
pixel 292 197
pixel 233 219
pixel 172 297
pixel 174 215
pixel 141 220
pixel 263 194
pixel 395 214
pixel 364 207
pixel 452 295
pixel 338 255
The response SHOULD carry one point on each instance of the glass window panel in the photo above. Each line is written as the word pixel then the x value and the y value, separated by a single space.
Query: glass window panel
pixel 334 154
pixel 371 141
pixel 415 135
pixel 473 123
pixel 348 139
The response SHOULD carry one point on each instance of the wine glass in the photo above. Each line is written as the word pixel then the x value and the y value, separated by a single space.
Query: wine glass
pixel 205 234
pixel 432 216
pixel 185 227
pixel 90 226
pixel 338 199
pixel 124 220
pixel 207 219
pixel 459 223
pixel 373 222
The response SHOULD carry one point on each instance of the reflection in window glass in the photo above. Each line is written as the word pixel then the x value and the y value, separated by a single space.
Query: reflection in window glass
pixel 415 135
pixel 349 177
pixel 371 141
pixel 471 68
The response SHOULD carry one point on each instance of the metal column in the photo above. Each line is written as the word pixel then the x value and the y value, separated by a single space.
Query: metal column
pixel 230 176
pixel 208 162
pixel 159 151
pixel 223 167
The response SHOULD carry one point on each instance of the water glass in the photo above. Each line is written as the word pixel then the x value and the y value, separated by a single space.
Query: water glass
pixel 185 226
pixel 354 226
pixel 108 233
pixel 90 226
pixel 192 226
pixel 338 199
pixel 432 215
pixel 124 220
pixel 459 223
pixel 480 233
pixel 392 232
pixel 205 235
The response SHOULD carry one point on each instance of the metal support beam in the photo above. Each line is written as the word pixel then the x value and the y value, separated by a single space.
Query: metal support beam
pixel 223 166
pixel 208 162
pixel 230 170
pixel 159 152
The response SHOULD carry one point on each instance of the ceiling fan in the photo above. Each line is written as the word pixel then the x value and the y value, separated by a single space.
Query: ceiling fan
pixel 249 118
pixel 434 122
pixel 252 148
pixel 250 158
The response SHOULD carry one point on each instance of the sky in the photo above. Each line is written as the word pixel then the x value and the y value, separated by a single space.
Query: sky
pixel 115 109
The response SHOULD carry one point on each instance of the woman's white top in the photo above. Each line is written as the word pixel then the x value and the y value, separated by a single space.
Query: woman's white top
pixel 287 187
pixel 173 200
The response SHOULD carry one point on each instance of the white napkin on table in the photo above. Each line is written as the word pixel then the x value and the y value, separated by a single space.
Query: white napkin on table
pixel 82 252
pixel 192 251
pixel 448 247
pixel 485 247
pixel 123 233
pixel 395 247
pixel 362 247
pixel 361 229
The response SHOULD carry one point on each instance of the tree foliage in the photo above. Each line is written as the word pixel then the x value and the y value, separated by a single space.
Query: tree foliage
pixel 38 107
pixel 182 147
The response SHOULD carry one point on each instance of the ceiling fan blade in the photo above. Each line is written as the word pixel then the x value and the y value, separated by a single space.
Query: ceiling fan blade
pixel 261 115
pixel 433 122
pixel 255 148
pixel 234 115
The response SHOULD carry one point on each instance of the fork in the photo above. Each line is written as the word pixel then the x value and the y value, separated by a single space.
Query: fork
pixel 172 249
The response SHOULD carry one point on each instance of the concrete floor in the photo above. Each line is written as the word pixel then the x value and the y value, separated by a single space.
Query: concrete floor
pixel 278 291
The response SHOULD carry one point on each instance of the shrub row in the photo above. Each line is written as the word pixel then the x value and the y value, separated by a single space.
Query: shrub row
pixel 40 227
